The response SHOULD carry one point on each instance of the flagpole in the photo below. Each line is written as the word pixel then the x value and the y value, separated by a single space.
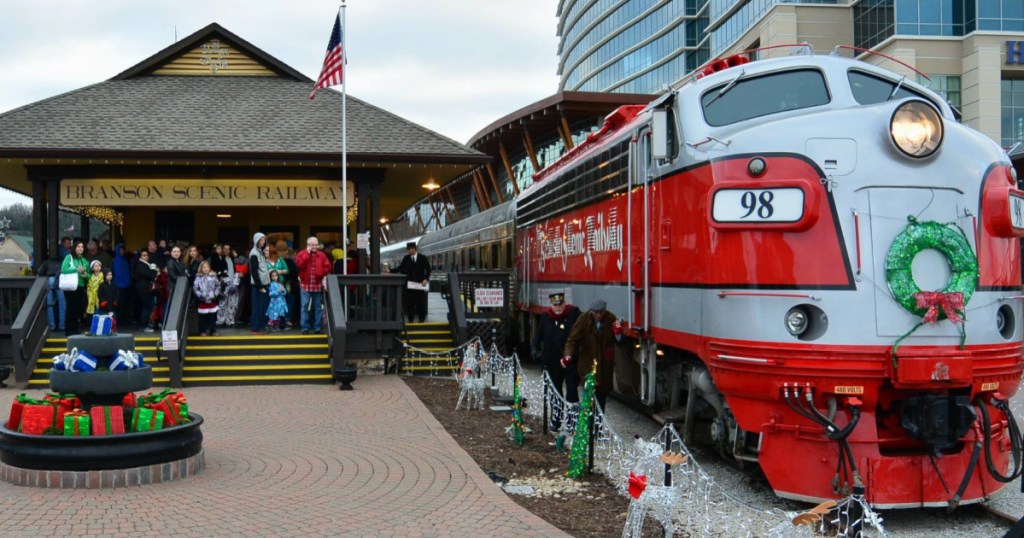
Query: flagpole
pixel 344 149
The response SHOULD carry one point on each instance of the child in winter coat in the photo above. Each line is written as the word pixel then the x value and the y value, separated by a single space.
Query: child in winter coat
pixel 207 289
pixel 107 295
pixel 277 311
pixel 95 278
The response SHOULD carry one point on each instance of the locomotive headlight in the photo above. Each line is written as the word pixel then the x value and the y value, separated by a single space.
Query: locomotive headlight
pixel 916 129
pixel 796 321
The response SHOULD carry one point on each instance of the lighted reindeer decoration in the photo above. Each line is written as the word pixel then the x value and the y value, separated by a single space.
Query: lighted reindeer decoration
pixel 471 386
pixel 662 502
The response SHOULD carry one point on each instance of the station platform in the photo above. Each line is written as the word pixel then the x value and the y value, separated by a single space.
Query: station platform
pixel 297 460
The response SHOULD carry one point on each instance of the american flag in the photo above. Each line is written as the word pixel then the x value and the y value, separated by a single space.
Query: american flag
pixel 334 62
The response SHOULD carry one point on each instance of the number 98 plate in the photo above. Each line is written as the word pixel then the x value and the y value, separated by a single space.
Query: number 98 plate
pixel 758 205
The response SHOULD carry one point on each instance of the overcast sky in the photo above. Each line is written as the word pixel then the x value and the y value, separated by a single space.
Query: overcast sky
pixel 453 66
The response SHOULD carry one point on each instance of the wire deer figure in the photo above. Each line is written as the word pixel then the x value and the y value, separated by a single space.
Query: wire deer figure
pixel 471 386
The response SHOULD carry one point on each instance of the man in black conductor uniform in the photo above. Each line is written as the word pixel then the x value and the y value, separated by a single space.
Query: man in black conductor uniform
pixel 553 328
pixel 416 269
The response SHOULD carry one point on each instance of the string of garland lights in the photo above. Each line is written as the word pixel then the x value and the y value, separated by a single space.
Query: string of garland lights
pixel 693 501
pixel 105 214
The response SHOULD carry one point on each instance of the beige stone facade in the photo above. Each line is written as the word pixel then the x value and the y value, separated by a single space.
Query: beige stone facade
pixel 979 59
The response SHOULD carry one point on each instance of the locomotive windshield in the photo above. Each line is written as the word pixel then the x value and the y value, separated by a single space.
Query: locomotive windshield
pixel 764 95
pixel 868 89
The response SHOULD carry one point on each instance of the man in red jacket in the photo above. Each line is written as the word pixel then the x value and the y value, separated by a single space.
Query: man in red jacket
pixel 313 267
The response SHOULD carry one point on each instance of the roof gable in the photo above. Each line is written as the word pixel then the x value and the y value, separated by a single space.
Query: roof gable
pixel 212 51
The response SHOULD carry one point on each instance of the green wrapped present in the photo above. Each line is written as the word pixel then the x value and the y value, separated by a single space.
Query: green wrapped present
pixel 77 423
pixel 145 420
pixel 151 398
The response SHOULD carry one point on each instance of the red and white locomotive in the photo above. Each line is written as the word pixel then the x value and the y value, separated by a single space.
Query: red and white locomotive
pixel 772 232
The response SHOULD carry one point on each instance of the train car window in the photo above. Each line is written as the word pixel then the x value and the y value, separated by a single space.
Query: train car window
pixel 869 89
pixel 494 256
pixel 764 95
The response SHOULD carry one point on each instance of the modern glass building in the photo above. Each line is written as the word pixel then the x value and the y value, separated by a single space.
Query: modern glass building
pixel 971 50
pixel 629 46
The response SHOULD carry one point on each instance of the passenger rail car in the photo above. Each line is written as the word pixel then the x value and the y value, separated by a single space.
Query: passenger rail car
pixel 481 241
pixel 773 232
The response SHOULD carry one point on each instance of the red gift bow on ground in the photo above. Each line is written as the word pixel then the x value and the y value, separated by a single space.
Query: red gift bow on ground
pixel 637 484
pixel 952 304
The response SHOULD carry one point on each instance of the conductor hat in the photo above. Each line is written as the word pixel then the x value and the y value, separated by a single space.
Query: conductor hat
pixel 411 244
pixel 557 298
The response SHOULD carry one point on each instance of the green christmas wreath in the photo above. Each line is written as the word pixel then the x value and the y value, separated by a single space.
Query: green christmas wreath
pixel 952 243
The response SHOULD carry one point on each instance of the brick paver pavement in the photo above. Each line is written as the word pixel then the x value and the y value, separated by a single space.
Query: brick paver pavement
pixel 296 461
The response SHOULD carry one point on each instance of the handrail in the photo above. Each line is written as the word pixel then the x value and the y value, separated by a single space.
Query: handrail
pixel 30 329
pixel 457 310
pixel 336 322
pixel 177 318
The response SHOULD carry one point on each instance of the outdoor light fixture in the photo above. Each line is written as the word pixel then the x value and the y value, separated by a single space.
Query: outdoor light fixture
pixel 223 216
pixel 431 185
pixel 383 220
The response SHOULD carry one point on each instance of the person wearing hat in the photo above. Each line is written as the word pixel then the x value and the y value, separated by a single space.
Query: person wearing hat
pixel 553 328
pixel 592 342
pixel 416 269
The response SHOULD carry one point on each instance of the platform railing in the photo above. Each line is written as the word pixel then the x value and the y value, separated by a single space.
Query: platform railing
pixel 23 323
pixel 373 318
pixel 177 320
pixel 468 318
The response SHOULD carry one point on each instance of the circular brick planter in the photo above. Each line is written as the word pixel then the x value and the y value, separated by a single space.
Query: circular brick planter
pixel 104 479
pixel 46 453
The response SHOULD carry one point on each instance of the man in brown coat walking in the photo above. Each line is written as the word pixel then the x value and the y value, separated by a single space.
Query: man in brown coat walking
pixel 593 338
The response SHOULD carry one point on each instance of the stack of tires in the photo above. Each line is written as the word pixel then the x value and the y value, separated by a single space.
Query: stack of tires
pixel 104 386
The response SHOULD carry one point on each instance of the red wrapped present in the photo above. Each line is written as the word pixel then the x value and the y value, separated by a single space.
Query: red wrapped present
pixel 68 401
pixel 76 423
pixel 150 398
pixel 174 408
pixel 145 420
pixel 42 418
pixel 17 408
pixel 107 420
pixel 130 400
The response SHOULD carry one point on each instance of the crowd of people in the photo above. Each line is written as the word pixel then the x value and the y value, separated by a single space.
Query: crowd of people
pixel 270 287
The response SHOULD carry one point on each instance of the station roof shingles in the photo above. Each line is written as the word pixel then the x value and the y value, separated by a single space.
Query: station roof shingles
pixel 219 115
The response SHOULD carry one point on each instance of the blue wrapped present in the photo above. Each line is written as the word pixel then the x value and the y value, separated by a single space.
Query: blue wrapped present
pixel 126 360
pixel 102 325
pixel 82 361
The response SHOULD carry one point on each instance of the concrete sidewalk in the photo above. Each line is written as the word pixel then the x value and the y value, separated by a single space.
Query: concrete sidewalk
pixel 296 461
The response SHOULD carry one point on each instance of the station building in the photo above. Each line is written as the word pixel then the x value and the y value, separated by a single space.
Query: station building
pixel 211 140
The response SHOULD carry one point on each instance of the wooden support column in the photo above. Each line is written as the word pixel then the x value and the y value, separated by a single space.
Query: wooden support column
pixel 567 134
pixel 480 186
pixel 494 183
pixel 362 223
pixel 42 248
pixel 455 207
pixel 375 228
pixel 508 168
pixel 53 217
pixel 528 145
pixel 83 225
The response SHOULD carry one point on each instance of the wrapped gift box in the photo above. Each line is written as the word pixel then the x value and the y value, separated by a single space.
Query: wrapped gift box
pixel 126 360
pixel 107 420
pixel 18 408
pixel 130 400
pixel 61 362
pixel 76 423
pixel 145 420
pixel 67 401
pixel 151 398
pixel 102 325
pixel 174 407
pixel 43 418
pixel 82 362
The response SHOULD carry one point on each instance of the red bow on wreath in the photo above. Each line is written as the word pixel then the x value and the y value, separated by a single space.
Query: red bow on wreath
pixel 637 484
pixel 952 304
